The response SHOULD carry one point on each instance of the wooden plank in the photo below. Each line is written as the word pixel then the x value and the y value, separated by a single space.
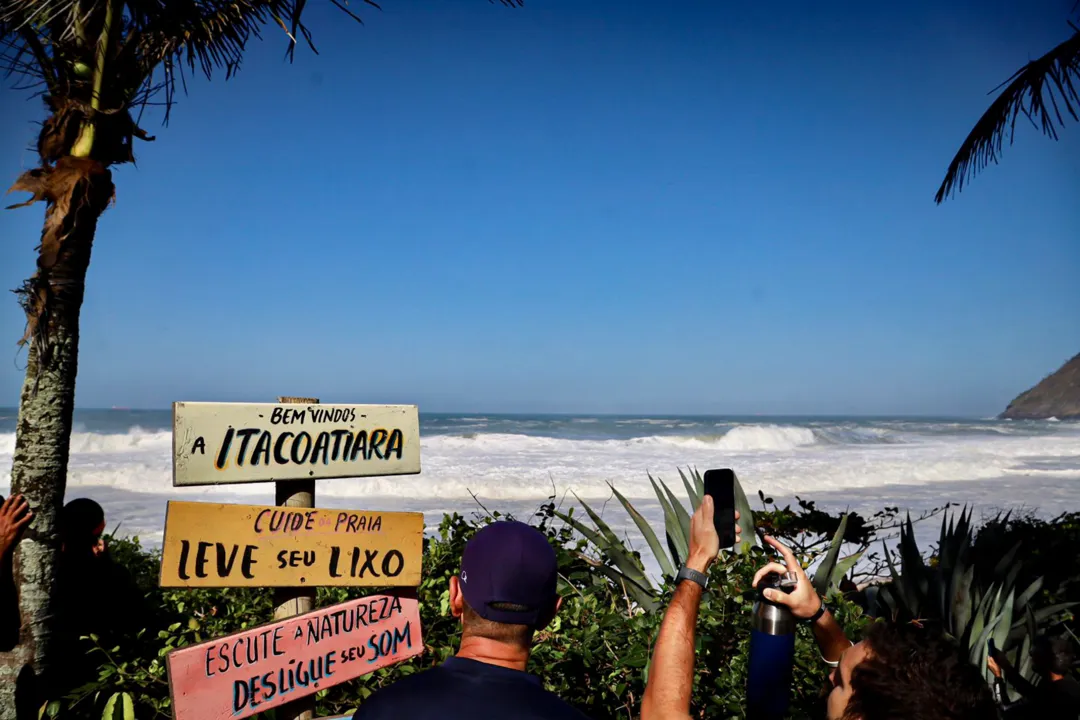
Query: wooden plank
pixel 239 675
pixel 224 443
pixel 216 545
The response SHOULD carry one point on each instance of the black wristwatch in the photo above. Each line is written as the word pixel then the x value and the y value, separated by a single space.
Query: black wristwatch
pixel 816 616
pixel 690 574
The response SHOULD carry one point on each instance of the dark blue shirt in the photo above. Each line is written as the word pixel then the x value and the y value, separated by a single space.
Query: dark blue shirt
pixel 469 690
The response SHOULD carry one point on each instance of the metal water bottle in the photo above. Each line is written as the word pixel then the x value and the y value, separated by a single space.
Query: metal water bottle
pixel 772 652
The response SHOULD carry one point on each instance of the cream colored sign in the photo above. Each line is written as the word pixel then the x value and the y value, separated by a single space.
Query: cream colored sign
pixel 215 545
pixel 222 443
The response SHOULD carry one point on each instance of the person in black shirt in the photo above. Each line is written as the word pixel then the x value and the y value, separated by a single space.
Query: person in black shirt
pixel 96 595
pixel 1057 697
pixel 505 593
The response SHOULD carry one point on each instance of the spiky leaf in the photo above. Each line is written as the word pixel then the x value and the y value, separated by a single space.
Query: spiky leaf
pixel 643 597
pixel 678 543
pixel 823 578
pixel 695 499
pixel 646 531
pixel 680 512
pixel 699 482
pixel 611 547
pixel 1030 592
pixel 1001 631
pixel 746 519
pixel 1005 564
pixel 963 603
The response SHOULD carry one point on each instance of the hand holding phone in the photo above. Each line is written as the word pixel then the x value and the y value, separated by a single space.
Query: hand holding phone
pixel 720 486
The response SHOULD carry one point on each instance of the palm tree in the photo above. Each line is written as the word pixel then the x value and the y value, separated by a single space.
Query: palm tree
pixel 97 64
pixel 1042 90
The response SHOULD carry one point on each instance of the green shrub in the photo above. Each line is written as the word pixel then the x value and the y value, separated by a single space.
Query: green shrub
pixel 1049 547
pixel 1049 551
pixel 974 596
pixel 595 655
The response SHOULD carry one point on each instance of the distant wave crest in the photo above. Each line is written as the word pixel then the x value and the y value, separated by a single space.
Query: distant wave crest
pixel 739 438
pixel 135 439
pixel 745 438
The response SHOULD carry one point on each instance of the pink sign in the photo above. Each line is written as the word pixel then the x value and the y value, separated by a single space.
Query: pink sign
pixel 243 674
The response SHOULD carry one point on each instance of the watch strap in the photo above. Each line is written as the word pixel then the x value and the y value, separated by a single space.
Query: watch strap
pixel 816 616
pixel 686 573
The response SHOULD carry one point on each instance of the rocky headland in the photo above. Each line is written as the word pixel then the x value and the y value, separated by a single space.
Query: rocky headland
pixel 1057 396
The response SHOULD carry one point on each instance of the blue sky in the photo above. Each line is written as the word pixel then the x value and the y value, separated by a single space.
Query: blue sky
pixel 690 207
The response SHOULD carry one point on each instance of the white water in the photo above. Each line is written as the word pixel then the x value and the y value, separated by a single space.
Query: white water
pixel 861 464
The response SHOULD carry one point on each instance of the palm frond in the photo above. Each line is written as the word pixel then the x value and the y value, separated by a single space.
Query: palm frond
pixel 1042 91
pixel 46 42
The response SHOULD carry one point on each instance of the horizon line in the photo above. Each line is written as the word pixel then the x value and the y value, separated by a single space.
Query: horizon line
pixel 523 413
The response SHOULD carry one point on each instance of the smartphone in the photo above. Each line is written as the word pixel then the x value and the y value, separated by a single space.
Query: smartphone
pixel 991 647
pixel 720 486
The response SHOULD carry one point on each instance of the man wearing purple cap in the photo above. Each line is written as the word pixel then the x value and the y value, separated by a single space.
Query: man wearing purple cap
pixel 505 593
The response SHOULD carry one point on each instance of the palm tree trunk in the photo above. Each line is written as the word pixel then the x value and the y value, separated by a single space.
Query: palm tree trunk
pixel 77 191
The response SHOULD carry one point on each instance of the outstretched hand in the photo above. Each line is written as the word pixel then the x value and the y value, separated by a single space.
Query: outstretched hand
pixel 15 516
pixel 803 600
pixel 704 542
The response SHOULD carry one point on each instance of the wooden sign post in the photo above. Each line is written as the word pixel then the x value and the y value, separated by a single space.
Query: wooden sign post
pixel 293 443
pixel 239 675
pixel 289 602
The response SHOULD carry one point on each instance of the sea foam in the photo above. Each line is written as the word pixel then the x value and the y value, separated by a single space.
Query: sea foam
pixel 514 464
pixel 777 458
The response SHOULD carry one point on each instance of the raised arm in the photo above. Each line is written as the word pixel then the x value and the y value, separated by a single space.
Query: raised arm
pixel 805 603
pixel 671 674
pixel 1004 672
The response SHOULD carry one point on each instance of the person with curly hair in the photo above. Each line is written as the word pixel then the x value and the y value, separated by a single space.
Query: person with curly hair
pixel 895 672
pixel 907 672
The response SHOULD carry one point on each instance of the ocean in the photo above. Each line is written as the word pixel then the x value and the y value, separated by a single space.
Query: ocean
pixel 513 464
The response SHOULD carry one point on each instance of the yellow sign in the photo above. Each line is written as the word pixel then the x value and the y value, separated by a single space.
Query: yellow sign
pixel 215 545
pixel 223 443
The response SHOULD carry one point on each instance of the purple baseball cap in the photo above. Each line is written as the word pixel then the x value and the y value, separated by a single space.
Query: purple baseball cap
pixel 509 562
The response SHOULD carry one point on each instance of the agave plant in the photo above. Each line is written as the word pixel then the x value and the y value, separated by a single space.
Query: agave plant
pixel 833 568
pixel 970 607
pixel 625 567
